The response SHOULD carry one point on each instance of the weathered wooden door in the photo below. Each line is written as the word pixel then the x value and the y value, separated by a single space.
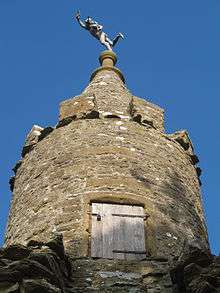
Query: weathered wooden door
pixel 118 231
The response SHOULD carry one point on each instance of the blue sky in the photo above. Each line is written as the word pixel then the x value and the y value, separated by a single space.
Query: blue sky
pixel 170 55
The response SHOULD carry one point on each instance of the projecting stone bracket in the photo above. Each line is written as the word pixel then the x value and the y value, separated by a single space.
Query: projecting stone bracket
pixel 12 183
pixel 31 140
pixel 78 107
pixel 146 113
pixel 90 115
pixel 182 137
pixel 45 132
pixel 36 134
pixel 17 166
pixel 65 121
pixel 12 179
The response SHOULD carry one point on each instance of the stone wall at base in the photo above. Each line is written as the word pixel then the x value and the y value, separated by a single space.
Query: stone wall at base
pixel 102 275
pixel 46 268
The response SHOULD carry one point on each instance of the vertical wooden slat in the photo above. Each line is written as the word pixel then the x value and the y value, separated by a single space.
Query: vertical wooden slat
pixel 138 237
pixel 107 231
pixel 97 231
pixel 118 234
pixel 129 237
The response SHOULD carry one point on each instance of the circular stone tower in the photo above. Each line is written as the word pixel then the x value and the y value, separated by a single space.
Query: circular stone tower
pixel 108 178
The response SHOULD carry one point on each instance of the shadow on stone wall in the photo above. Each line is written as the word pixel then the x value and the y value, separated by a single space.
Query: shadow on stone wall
pixel 184 210
pixel 179 220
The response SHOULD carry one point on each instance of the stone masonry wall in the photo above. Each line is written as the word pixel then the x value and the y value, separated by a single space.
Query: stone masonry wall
pixel 107 160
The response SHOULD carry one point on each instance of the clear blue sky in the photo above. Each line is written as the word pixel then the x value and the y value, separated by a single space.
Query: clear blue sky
pixel 171 55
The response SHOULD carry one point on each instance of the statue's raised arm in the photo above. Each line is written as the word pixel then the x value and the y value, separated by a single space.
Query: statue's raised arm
pixel 95 30
pixel 81 23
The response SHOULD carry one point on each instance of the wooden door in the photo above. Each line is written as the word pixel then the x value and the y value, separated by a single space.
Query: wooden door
pixel 118 231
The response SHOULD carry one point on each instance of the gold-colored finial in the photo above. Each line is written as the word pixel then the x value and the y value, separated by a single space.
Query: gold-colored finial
pixel 108 58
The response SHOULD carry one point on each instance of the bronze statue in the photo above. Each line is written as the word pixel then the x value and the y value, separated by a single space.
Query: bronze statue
pixel 95 30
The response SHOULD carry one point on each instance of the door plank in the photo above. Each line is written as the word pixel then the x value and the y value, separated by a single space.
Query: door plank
pixel 138 237
pixel 138 233
pixel 129 237
pixel 118 235
pixel 97 231
pixel 107 231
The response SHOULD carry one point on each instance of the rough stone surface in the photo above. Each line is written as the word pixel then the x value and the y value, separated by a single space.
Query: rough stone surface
pixel 40 267
pixel 151 275
pixel 196 271
pixel 111 95
pixel 44 267
pixel 182 137
pixel 93 104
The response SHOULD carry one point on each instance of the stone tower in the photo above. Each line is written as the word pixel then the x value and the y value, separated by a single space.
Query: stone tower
pixel 124 194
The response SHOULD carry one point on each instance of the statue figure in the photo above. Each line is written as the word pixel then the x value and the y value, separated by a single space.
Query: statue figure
pixel 95 30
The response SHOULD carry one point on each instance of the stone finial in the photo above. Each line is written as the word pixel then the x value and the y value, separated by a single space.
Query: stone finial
pixel 108 58
pixel 107 61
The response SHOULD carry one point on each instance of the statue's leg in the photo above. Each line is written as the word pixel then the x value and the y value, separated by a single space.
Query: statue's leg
pixel 104 41
pixel 115 40
pixel 108 40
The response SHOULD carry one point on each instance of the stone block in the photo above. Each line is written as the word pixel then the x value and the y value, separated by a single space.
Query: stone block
pixel 77 107
pixel 147 113
pixel 32 139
